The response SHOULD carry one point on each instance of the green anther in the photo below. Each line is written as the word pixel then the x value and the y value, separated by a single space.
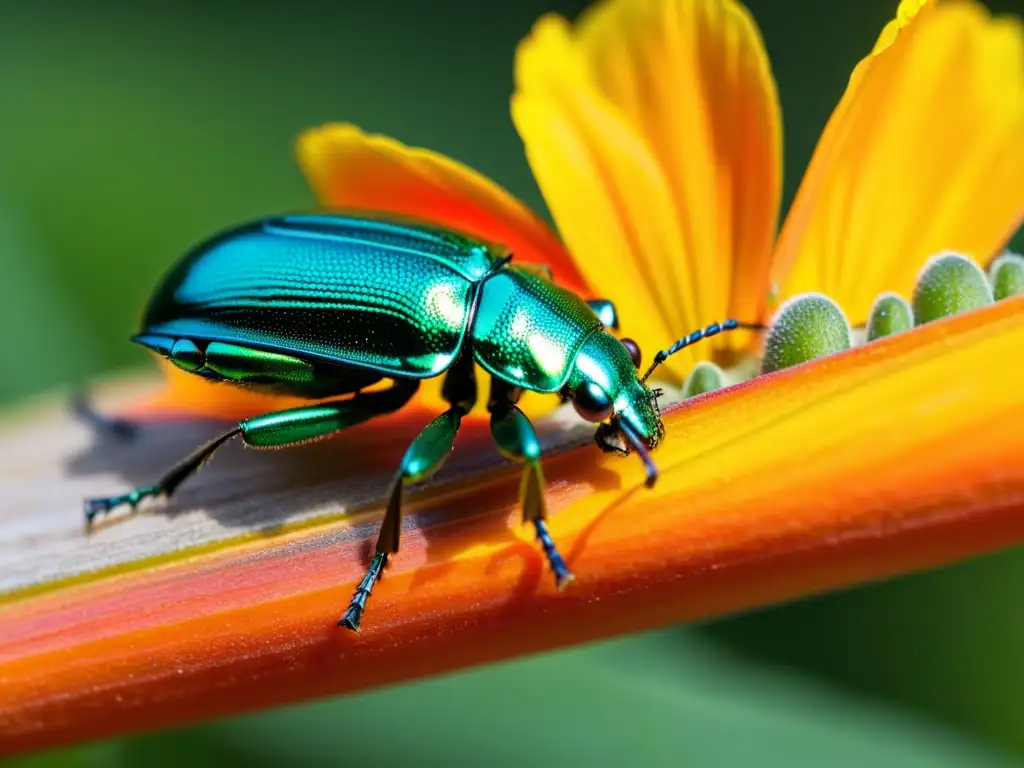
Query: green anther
pixel 1007 276
pixel 890 314
pixel 948 285
pixel 705 377
pixel 804 328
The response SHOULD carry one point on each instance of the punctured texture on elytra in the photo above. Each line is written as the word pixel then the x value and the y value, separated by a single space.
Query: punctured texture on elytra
pixel 805 327
pixel 948 285
pixel 1007 276
pixel 705 377
pixel 890 314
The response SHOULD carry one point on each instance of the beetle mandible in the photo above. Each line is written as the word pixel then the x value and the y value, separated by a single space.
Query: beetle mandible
pixel 326 305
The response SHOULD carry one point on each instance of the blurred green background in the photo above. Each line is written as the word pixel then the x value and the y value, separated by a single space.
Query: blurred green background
pixel 130 131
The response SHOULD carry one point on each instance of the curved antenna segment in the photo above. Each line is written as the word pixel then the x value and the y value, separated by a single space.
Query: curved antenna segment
pixel 712 330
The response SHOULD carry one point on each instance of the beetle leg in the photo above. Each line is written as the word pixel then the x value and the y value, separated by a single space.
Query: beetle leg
pixel 107 426
pixel 271 430
pixel 516 439
pixel 423 458
pixel 459 386
pixel 163 487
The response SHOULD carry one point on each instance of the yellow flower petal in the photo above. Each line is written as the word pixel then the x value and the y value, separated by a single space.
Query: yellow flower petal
pixel 605 189
pixel 905 13
pixel 925 152
pixel 694 79
pixel 653 131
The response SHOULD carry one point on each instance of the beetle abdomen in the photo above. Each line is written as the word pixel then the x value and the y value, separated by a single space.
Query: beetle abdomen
pixel 389 297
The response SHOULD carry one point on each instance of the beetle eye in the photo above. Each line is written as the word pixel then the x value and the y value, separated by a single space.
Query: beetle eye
pixel 591 403
pixel 634 351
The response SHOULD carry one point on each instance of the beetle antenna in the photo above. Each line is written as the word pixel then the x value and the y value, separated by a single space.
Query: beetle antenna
pixel 638 445
pixel 693 338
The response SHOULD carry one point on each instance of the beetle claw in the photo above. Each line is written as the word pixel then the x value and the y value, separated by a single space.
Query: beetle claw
pixel 94 507
pixel 350 620
pixel 563 580
pixel 105 504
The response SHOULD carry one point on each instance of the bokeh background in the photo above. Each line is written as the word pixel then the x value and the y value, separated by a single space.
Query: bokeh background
pixel 129 131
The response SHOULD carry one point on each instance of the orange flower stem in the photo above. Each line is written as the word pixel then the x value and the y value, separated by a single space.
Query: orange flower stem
pixel 897 456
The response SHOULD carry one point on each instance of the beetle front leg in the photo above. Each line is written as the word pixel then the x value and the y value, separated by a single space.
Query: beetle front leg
pixel 516 439
pixel 272 430
pixel 423 458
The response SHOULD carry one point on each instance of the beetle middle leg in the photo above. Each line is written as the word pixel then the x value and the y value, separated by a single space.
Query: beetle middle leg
pixel 516 439
pixel 271 430
pixel 422 459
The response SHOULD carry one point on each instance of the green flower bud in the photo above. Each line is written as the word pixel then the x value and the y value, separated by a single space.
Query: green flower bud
pixel 705 377
pixel 948 285
pixel 805 327
pixel 890 314
pixel 1007 276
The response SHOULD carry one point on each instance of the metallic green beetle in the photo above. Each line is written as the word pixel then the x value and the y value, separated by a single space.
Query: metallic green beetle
pixel 325 305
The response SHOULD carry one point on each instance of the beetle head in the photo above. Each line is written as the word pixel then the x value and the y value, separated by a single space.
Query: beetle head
pixel 604 389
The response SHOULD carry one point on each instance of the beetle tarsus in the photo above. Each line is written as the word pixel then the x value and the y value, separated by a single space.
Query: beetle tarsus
pixel 563 576
pixel 354 614
pixel 95 507
pixel 105 504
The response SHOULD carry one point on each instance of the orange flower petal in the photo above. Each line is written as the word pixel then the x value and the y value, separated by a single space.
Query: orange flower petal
pixel 185 395
pixel 925 152
pixel 653 130
pixel 898 455
pixel 349 169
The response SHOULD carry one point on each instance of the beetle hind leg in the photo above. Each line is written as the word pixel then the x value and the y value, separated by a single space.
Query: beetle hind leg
pixel 163 487
pixel 272 430
pixel 119 429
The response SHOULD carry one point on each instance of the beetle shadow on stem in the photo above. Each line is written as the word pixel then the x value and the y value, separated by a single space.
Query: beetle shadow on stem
pixel 243 490
pixel 251 489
